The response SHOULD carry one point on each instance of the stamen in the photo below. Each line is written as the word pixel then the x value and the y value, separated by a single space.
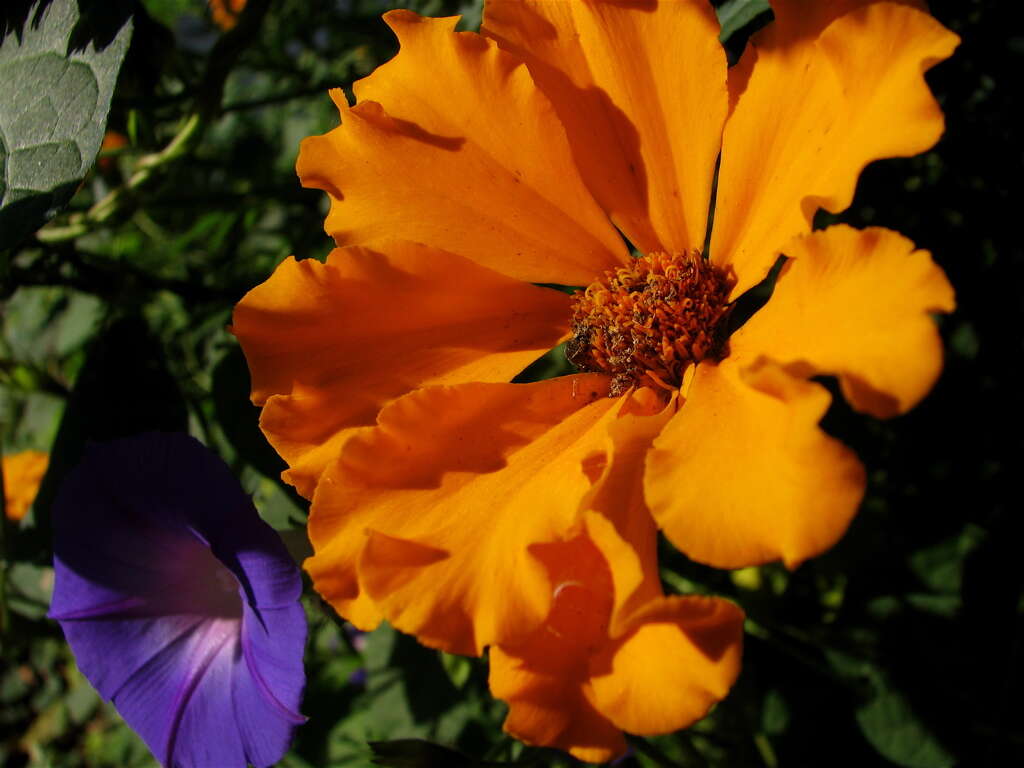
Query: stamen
pixel 647 322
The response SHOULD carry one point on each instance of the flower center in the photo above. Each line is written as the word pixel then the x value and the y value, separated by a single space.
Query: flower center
pixel 647 322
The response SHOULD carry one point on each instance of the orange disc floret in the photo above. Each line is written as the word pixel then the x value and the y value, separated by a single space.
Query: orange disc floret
pixel 645 323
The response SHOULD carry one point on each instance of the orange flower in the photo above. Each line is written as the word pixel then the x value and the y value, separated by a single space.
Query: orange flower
pixel 477 170
pixel 22 474
pixel 226 12
pixel 112 140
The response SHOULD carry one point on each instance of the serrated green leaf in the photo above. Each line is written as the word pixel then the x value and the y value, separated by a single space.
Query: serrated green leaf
pixel 52 116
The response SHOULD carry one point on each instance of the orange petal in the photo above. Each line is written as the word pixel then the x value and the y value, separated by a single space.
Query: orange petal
pixel 454 146
pixel 544 678
pixel 435 508
pixel 641 92
pixel 335 578
pixel 665 664
pixel 821 103
pixel 307 428
pixel 329 344
pixel 680 659
pixel 801 21
pixel 573 686
pixel 22 474
pixel 743 475
pixel 618 496
pixel 855 304
pixel 549 705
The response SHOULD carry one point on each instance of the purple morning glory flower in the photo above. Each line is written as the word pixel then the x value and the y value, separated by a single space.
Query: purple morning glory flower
pixel 179 603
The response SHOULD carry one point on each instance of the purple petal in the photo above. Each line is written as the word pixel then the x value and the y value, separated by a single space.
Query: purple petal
pixel 109 651
pixel 273 657
pixel 179 702
pixel 179 603
pixel 268 697
pixel 120 533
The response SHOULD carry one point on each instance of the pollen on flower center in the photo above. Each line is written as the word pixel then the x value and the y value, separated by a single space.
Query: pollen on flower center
pixel 647 322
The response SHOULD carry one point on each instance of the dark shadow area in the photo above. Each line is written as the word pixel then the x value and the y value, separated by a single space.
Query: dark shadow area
pixel 124 388
pixel 956 461
pixel 99 22
pixel 239 419
pixel 17 13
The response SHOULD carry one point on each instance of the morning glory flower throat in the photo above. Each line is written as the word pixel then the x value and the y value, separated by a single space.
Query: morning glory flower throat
pixel 180 604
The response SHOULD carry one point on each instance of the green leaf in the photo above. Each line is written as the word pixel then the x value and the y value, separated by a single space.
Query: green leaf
pixel 887 719
pixel 31 587
pixel 733 15
pixel 458 668
pixel 775 713
pixel 940 567
pixel 397 668
pixel 894 730
pixel 53 114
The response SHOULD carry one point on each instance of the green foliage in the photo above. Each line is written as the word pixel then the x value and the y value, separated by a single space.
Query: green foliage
pixel 734 15
pixel 54 113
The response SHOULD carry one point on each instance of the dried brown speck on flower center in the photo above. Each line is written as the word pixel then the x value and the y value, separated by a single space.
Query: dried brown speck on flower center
pixel 645 323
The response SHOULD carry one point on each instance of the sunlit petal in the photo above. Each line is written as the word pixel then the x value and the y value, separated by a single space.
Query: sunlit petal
pixel 640 88
pixel 829 92
pixel 855 304
pixel 743 475
pixel 420 158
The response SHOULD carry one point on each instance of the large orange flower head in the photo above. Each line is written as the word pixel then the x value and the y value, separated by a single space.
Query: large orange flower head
pixel 575 144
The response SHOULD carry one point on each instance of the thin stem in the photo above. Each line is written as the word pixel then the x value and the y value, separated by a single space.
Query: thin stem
pixel 764 748
pixel 119 199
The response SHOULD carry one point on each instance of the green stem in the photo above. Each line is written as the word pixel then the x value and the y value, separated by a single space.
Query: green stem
pixel 764 748
pixel 119 200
